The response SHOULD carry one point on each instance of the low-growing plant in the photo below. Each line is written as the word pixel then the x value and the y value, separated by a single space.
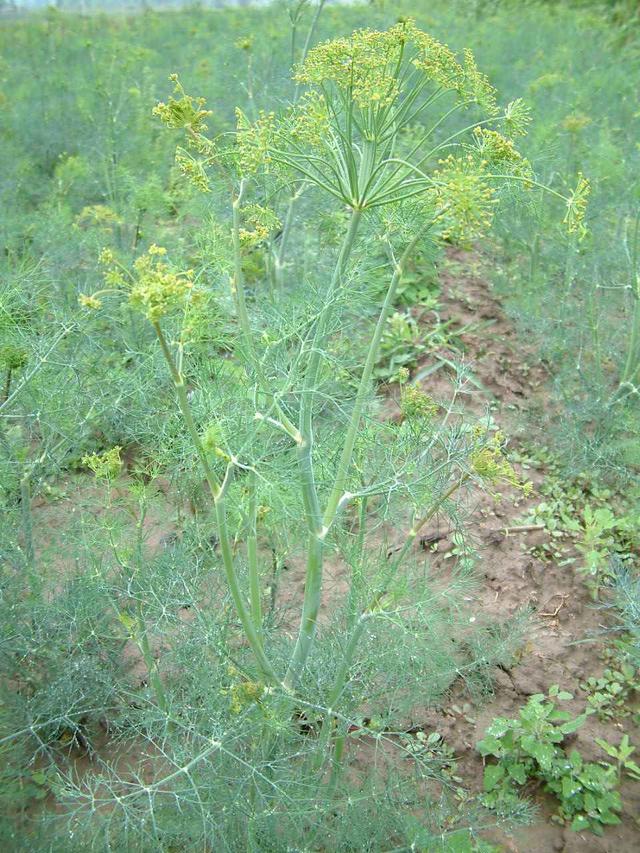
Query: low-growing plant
pixel 599 534
pixel 611 695
pixel 530 748
pixel 622 756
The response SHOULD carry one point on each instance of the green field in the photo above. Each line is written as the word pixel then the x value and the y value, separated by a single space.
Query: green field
pixel 320 427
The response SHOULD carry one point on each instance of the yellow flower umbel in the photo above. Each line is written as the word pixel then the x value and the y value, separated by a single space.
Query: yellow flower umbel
pixel 489 463
pixel 88 300
pixel 577 207
pixel 153 286
pixel 183 112
pixel 498 152
pixel 466 199
pixel 107 465
pixel 253 141
pixel 260 222
pixel 367 67
pixel 416 405
pixel 157 288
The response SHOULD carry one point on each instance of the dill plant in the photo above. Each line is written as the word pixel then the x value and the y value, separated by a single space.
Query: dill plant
pixel 249 729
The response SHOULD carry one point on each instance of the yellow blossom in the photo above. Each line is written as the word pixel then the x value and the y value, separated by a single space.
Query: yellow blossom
pixel 107 465
pixel 183 112
pixel 577 207
pixel 89 301
pixel 157 287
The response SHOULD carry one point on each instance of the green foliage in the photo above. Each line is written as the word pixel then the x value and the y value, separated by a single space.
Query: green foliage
pixel 582 513
pixel 134 713
pixel 612 695
pixel 622 755
pixel 530 747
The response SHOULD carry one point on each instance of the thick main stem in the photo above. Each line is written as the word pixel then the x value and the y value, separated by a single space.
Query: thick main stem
pixel 313 513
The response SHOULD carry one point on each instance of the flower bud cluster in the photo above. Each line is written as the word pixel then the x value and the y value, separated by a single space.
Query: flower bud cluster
pixel 107 465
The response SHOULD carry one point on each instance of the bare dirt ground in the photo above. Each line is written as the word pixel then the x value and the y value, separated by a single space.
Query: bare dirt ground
pixel 565 638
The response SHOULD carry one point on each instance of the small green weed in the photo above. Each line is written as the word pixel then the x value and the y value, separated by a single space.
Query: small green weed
pixel 530 748
pixel 622 755
pixel 610 696
pixel 600 535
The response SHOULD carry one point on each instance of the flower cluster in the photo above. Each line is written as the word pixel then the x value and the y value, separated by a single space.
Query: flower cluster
pixel 90 301
pixel 362 65
pixel 416 405
pixel 183 112
pixel 245 43
pixel 193 170
pixel 98 215
pixel 253 141
pixel 575 122
pixel 465 197
pixel 367 66
pixel 260 222
pixel 156 287
pixel 476 87
pixel 577 207
pixel 496 150
pixel 243 692
pixel 107 465
pixel 438 61
pixel 309 121
pixel 489 463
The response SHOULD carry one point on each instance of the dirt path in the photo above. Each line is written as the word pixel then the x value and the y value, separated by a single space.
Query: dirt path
pixel 565 639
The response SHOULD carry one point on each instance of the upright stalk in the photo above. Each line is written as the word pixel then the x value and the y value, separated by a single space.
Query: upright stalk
pixel 149 661
pixel 344 465
pixel 218 492
pixel 313 513
pixel 632 363
pixel 252 557
pixel 243 315
pixel 27 531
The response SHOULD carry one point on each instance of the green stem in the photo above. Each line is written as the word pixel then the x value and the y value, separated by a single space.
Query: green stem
pixel 27 529
pixel 218 495
pixel 185 409
pixel 313 582
pixel 333 698
pixel 243 314
pixel 252 556
pixel 284 238
pixel 236 594
pixel 358 564
pixel 344 465
pixel 632 362
pixel 535 255
pixel 307 43
pixel 150 663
